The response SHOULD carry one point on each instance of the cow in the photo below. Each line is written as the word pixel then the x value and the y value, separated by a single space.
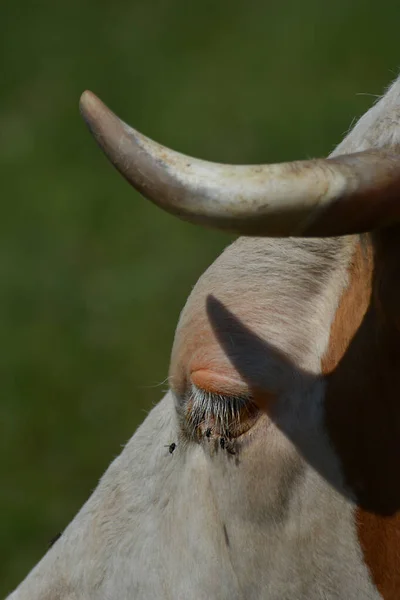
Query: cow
pixel 270 469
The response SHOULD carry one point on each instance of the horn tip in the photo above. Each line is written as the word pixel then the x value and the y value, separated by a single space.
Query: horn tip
pixel 89 103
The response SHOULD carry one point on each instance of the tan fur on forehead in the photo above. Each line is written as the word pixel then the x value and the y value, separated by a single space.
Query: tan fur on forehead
pixel 286 290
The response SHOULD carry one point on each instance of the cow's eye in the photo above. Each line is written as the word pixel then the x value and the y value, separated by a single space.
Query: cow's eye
pixel 210 413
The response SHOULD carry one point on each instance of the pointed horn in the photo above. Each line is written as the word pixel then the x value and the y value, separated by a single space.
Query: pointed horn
pixel 336 196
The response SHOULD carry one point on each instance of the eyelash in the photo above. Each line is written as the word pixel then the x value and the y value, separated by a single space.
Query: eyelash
pixel 225 412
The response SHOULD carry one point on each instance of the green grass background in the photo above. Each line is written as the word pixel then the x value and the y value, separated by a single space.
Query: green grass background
pixel 92 277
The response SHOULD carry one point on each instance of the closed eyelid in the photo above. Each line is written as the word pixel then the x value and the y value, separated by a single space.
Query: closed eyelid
pixel 222 385
pixel 219 383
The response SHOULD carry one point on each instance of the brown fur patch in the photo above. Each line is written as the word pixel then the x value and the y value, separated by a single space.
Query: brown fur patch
pixel 362 367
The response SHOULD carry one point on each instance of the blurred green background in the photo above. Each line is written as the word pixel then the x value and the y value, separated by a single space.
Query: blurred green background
pixel 92 277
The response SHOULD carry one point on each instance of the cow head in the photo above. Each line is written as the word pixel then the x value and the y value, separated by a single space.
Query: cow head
pixel 269 470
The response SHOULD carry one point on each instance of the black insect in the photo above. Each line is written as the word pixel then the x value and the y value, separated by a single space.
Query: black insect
pixel 208 432
pixel 227 445
pixel 171 447
pixel 54 539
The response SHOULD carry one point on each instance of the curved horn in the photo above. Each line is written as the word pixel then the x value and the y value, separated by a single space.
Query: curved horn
pixel 335 196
